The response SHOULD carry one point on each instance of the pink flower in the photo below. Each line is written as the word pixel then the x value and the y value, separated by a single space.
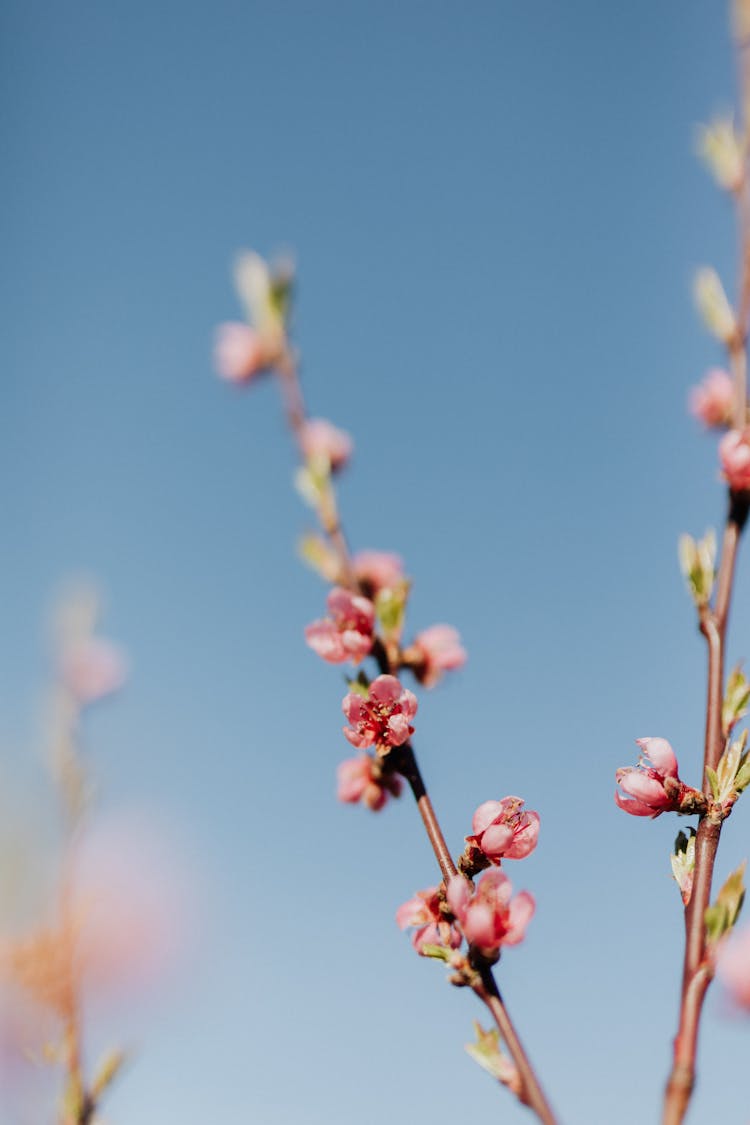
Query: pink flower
pixel 239 352
pixel 348 633
pixel 647 785
pixel 503 831
pixel 377 570
pixel 384 718
pixel 488 916
pixel 320 438
pixel 734 454
pixel 733 966
pixel 431 928
pixel 359 779
pixel 435 651
pixel 92 668
pixel 712 401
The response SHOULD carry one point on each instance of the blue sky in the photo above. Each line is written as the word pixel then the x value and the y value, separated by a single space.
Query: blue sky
pixel 496 211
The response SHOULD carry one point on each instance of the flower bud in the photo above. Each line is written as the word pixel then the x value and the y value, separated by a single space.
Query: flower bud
pixel 712 401
pixel 721 149
pixel 734 455
pixel 713 305
pixel 698 565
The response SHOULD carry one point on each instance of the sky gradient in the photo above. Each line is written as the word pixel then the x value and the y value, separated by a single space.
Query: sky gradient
pixel 496 213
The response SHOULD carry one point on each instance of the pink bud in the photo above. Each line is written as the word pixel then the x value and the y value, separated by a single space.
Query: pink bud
pixel 239 352
pixel 712 401
pixel 320 438
pixel 646 794
pixel 734 454
pixel 502 830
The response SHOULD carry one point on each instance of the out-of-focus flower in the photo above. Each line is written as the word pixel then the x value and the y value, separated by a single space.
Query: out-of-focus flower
pixel 348 633
pixel 486 1051
pixel 377 570
pixel 653 786
pixel 239 352
pixel 423 914
pixel 383 719
pixel 319 438
pixel 712 401
pixel 490 917
pixel 733 967
pixel 504 830
pixel 714 306
pixel 92 668
pixel 734 454
pixel 117 925
pixel 721 149
pixel 362 779
pixel 435 651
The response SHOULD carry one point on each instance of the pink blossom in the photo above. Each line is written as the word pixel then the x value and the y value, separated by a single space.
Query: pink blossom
pixel 384 718
pixel 320 438
pixel 502 830
pixel 712 401
pixel 92 668
pixel 647 784
pixel 430 926
pixel 348 633
pixel 239 352
pixel 734 454
pixel 435 651
pixel 488 916
pixel 377 570
pixel 359 779
pixel 733 966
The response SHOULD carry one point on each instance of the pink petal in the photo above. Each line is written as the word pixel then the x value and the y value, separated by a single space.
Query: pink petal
pixel 385 690
pixel 496 840
pixel 661 754
pixel 484 816
pixel 525 840
pixel 635 808
pixel 520 914
pixel 458 895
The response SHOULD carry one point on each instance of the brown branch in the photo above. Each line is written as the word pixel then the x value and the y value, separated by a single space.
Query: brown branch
pixel 403 759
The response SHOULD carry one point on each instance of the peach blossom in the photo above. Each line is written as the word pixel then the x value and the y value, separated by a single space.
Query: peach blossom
pixel 377 570
pixel 384 718
pixel 734 455
pixel 360 780
pixel 488 916
pixel 435 651
pixel 422 912
pixel 503 830
pixel 348 633
pixel 92 668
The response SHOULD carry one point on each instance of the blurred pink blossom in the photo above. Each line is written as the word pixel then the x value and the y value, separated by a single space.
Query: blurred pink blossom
pixel 734 454
pixel 712 401
pixel 92 668
pixel 384 718
pixel 377 570
pixel 503 830
pixel 320 438
pixel 733 966
pixel 488 916
pixel 348 633
pixel 239 352
pixel 430 926
pixel 360 780
pixel 435 651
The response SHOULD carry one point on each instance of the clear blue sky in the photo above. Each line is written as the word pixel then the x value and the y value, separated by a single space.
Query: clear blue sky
pixel 496 212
